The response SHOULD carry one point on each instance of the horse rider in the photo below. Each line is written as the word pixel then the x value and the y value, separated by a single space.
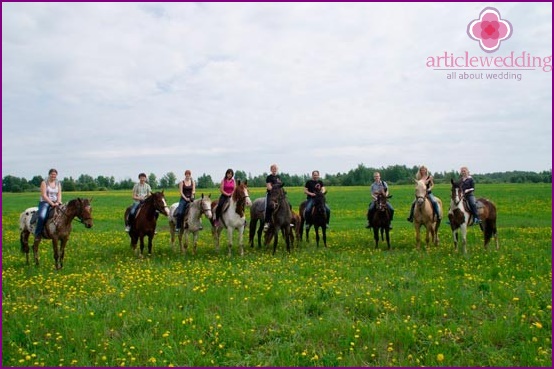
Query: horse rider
pixel 271 180
pixel 187 190
pixel 226 187
pixel 141 191
pixel 310 188
pixel 376 187
pixel 423 175
pixel 50 197
pixel 468 186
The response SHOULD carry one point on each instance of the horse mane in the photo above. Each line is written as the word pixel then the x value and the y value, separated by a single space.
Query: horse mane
pixel 237 197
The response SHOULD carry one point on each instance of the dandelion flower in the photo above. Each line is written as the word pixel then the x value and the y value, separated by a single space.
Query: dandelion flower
pixel 440 357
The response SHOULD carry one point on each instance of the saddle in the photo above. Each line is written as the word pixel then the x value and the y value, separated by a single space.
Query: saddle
pixel 34 216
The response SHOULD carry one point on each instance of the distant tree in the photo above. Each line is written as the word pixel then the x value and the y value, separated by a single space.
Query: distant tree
pixel 68 184
pixel 36 181
pixel 240 174
pixel 205 181
pixel 168 180
pixel 152 180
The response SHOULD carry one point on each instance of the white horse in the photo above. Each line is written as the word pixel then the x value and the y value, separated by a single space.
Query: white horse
pixel 233 217
pixel 424 215
pixel 192 222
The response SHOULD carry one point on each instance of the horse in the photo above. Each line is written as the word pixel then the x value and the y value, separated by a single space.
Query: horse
pixel 232 216
pixel 281 216
pixel 381 219
pixel 56 228
pixel 191 221
pixel 317 218
pixel 144 223
pixel 294 234
pixel 460 217
pixel 257 213
pixel 424 215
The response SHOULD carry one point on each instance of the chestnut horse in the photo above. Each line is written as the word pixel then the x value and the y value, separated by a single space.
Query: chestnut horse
pixel 460 217
pixel 257 216
pixel 232 216
pixel 424 215
pixel 56 228
pixel 145 220
pixel 191 221
pixel 381 219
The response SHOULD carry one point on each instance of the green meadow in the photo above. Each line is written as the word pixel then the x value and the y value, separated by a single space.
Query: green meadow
pixel 346 305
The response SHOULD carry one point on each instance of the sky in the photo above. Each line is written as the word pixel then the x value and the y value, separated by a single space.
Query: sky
pixel 115 89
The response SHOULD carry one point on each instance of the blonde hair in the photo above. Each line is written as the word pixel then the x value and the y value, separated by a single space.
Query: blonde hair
pixel 418 174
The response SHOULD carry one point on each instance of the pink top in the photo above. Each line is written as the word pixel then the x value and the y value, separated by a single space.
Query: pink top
pixel 228 185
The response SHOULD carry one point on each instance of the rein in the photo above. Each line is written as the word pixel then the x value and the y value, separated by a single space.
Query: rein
pixel 81 219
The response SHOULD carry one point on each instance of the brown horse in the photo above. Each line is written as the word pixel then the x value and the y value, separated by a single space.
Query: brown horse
pixel 424 215
pixel 460 217
pixel 381 219
pixel 57 227
pixel 144 223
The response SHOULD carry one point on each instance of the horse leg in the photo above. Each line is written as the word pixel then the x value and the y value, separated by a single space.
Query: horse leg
pixel 194 242
pixel 316 235
pixel 463 229
pixel 376 236
pixel 387 230
pixel 241 243
pixel 172 234
pixel 56 252
pixel 150 239
pixel 252 232
pixel 324 231
pixel 286 230
pixel 35 249
pixel 275 239
pixel 230 239
pixel 62 252
pixel 417 234
pixel 24 240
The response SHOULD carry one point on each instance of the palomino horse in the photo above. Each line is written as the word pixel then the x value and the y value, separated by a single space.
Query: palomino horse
pixel 232 216
pixel 381 219
pixel 281 216
pixel 460 217
pixel 144 223
pixel 57 227
pixel 424 215
pixel 191 222
pixel 317 218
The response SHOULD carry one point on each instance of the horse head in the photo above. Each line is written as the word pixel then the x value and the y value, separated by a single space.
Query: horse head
pixel 85 212
pixel 381 202
pixel 456 194
pixel 276 195
pixel 206 206
pixel 241 195
pixel 158 200
pixel 420 192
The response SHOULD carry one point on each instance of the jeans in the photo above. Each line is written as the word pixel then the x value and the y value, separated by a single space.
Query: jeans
pixel 471 201
pixel 43 208
pixel 180 212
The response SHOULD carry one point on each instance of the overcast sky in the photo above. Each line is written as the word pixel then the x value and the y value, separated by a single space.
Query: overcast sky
pixel 115 89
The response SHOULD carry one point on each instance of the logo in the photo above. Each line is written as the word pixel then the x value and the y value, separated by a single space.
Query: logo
pixel 490 29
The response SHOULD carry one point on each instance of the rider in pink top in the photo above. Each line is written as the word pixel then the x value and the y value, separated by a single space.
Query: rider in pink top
pixel 226 187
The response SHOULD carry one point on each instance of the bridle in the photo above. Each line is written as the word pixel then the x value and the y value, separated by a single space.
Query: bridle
pixel 79 214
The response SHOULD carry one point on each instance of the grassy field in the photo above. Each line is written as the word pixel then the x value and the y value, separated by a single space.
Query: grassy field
pixel 347 305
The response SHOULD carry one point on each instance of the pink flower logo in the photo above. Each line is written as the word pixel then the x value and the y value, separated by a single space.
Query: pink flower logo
pixel 489 29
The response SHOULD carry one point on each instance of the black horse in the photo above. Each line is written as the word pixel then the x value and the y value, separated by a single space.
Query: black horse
pixel 281 215
pixel 144 223
pixel 316 217
pixel 381 219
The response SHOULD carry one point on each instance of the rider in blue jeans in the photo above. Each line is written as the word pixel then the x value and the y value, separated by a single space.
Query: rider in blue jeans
pixel 50 196
pixel 468 186
pixel 311 186
pixel 376 187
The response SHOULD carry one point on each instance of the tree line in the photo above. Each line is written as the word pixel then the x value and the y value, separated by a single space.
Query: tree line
pixel 360 176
